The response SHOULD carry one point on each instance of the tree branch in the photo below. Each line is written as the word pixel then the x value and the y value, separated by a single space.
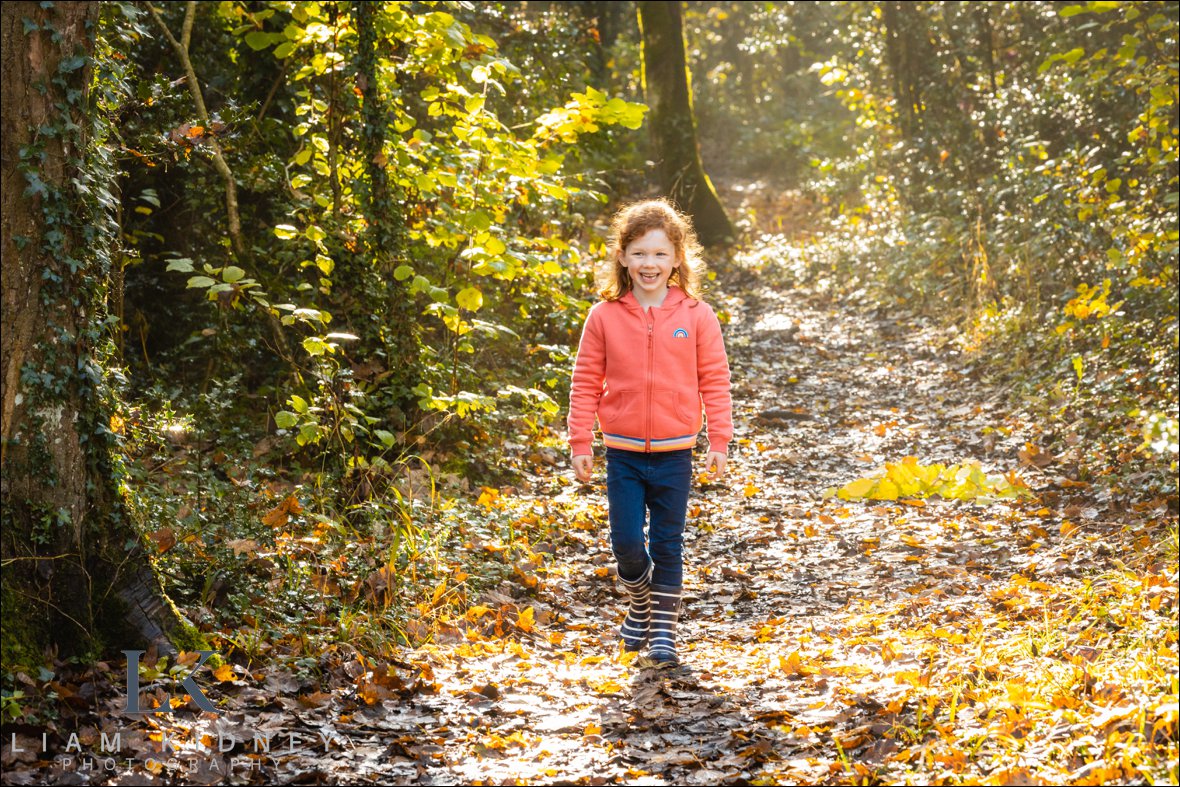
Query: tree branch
pixel 194 88
pixel 219 163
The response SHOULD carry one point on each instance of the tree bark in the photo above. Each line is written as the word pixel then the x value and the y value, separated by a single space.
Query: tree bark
pixel 383 213
pixel 667 92
pixel 69 550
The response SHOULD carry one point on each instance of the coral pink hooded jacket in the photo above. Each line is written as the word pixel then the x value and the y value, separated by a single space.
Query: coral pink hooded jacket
pixel 646 375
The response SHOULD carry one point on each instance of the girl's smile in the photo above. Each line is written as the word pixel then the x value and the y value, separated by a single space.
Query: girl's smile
pixel 650 260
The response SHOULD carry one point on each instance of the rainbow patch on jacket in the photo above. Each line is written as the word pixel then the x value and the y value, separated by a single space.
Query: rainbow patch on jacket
pixel 679 333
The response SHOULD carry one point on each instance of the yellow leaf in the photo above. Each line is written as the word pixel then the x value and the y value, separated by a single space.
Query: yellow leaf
pixel 792 664
pixel 856 490
pixel 592 729
pixel 886 490
pixel 225 673
pixel 1068 528
pixel 525 620
pixel 476 612
pixel 750 490
pixel 488 496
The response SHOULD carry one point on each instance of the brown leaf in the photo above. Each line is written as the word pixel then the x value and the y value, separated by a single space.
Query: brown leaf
pixel 277 516
pixel 242 546
pixel 165 539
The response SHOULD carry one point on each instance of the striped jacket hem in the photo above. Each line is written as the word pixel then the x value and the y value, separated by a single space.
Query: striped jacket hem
pixel 638 444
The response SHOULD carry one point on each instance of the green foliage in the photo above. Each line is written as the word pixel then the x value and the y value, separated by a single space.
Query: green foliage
pixel 414 205
pixel 1018 170
pixel 439 262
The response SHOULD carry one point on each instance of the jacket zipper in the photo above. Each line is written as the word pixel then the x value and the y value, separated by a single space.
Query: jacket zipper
pixel 650 374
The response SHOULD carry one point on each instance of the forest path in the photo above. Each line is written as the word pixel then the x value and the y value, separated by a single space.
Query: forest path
pixel 786 636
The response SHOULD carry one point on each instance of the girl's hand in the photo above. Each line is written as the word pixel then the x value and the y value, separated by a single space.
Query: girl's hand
pixel 715 465
pixel 583 464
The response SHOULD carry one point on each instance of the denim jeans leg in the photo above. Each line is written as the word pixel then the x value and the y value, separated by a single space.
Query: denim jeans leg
pixel 625 497
pixel 668 484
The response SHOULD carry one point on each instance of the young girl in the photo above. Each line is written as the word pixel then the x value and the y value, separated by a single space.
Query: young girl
pixel 651 354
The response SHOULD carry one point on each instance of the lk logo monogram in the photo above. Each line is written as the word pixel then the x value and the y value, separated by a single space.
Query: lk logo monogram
pixel 189 685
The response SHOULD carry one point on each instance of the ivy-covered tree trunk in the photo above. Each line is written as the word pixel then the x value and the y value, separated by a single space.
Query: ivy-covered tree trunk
pixel 73 574
pixel 382 213
pixel 667 91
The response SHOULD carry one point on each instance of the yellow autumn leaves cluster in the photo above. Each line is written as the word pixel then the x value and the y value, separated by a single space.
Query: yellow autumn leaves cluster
pixel 909 478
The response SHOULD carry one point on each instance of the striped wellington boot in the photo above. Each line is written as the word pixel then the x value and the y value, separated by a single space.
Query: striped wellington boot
pixel 664 614
pixel 634 628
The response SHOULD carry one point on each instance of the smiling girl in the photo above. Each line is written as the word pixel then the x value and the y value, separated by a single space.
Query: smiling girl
pixel 651 357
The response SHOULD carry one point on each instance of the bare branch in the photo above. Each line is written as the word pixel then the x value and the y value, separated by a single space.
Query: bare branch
pixel 194 88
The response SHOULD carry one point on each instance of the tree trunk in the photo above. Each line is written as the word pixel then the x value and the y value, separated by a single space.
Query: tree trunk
pixel 384 233
pixel 898 54
pixel 666 90
pixel 69 551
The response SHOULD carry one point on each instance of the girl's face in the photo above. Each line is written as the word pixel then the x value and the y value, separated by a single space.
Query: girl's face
pixel 650 260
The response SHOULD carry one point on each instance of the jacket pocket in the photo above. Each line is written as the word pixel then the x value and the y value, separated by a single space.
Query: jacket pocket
pixel 672 415
pixel 621 412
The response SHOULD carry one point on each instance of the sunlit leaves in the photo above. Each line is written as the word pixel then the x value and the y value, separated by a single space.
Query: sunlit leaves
pixel 582 114
pixel 1091 302
pixel 909 478
pixel 469 298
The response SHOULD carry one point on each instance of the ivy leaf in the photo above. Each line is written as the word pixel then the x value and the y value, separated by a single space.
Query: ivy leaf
pixel 285 419
pixel 71 64
pixel 232 274
pixel 184 265
pixel 201 281
pixel 285 232
pixel 258 40
pixel 316 346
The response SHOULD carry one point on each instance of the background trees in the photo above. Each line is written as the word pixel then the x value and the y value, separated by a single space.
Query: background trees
pixel 666 89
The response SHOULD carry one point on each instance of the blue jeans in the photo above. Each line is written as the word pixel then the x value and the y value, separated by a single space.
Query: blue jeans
pixel 638 483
